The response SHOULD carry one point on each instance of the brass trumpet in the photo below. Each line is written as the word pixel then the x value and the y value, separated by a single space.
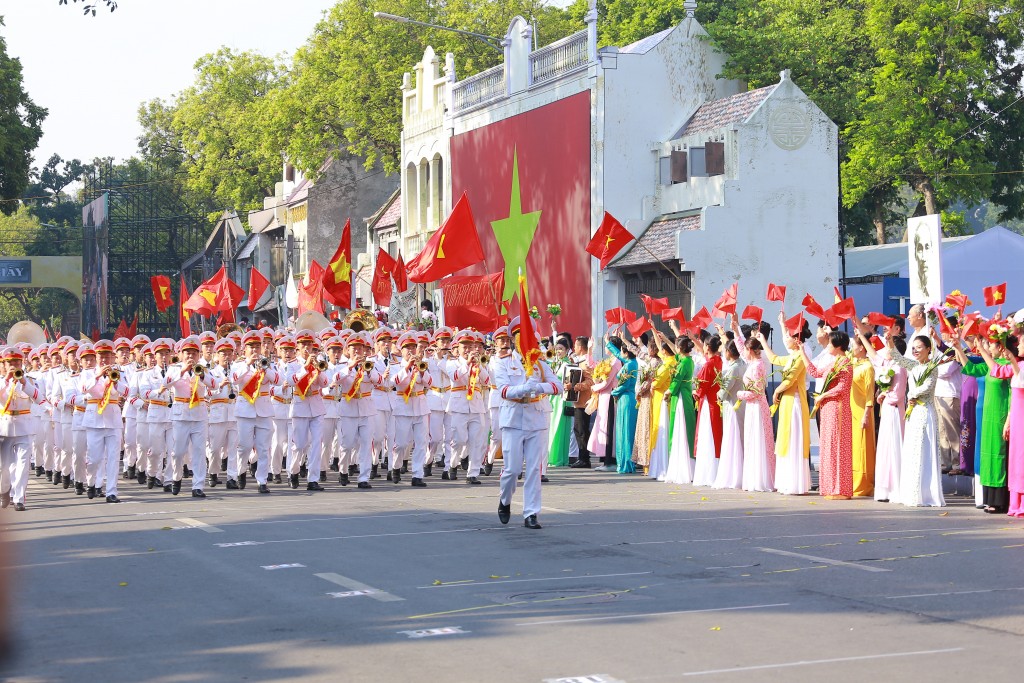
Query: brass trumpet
pixel 321 365
pixel 367 365
pixel 550 354
pixel 422 366
pixel 19 374
pixel 199 371
pixel 264 362
pixel 485 359
pixel 114 374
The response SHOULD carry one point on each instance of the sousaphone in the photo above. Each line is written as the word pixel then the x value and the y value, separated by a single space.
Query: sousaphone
pixel 26 331
pixel 361 320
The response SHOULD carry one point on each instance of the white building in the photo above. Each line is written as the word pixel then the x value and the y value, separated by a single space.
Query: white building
pixel 719 184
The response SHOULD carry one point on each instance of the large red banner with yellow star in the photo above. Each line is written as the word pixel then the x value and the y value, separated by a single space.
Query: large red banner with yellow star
pixel 528 180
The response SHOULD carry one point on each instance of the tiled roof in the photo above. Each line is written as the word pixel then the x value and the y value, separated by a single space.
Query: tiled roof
pixel 726 111
pixel 644 45
pixel 388 215
pixel 657 242
pixel 300 193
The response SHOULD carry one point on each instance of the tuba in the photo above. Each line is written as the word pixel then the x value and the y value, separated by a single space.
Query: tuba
pixel 361 320
pixel 226 329
pixel 26 332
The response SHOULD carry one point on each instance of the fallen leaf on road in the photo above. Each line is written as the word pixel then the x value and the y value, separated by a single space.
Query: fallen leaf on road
pixel 715 628
pixel 437 582
pixel 944 514
pixel 123 584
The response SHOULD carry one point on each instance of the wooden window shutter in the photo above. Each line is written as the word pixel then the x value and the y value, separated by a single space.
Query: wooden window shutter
pixel 678 166
pixel 715 158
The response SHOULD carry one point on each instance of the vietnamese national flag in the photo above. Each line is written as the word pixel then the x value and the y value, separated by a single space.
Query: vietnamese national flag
pixel 944 325
pixel 122 330
pixel 619 316
pixel 161 285
pixel 880 320
pixel 673 314
pixel 701 319
pixel 753 313
pixel 258 284
pixel 813 307
pixel 795 325
pixel 837 294
pixel 311 294
pixel 845 309
pixel 639 326
pixel 183 314
pixel 337 277
pixel 776 292
pixel 609 240
pixel 995 295
pixel 527 342
pixel 456 245
pixel 383 271
pixel 727 302
pixel 217 294
pixel 400 274
pixel 654 306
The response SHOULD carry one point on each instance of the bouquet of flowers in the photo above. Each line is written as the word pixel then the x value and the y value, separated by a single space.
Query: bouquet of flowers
pixel 926 372
pixel 787 372
pixel 841 364
pixel 534 313
pixel 883 380
pixel 602 370
pixel 998 331
pixel 623 377
pixel 555 310
pixel 753 387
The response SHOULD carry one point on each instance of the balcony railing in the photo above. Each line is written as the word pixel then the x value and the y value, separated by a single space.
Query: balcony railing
pixel 559 58
pixel 483 87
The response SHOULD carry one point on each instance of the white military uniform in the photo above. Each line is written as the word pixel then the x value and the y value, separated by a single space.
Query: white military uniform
pixel 254 417
pixel 410 412
pixel 282 396
pixel 153 388
pixel 357 412
pixel 189 422
pixel 17 427
pixel 223 429
pixel 306 413
pixel 467 405
pixel 523 423
pixel 102 424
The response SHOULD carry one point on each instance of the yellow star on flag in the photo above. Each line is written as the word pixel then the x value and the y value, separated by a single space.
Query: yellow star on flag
pixel 209 296
pixel 341 269
pixel 164 292
pixel 998 296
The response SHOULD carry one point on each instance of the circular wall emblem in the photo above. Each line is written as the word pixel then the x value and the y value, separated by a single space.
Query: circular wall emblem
pixel 789 127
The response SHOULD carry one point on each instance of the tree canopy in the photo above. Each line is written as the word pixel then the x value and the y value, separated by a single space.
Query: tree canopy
pixel 21 127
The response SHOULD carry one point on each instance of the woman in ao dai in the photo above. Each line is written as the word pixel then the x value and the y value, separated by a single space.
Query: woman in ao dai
pixel 758 439
pixel 730 465
pixel 793 440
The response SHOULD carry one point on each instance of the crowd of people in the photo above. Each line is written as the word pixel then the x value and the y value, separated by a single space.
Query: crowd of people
pixel 895 408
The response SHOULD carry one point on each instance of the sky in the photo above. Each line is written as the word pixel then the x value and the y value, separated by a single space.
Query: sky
pixel 93 72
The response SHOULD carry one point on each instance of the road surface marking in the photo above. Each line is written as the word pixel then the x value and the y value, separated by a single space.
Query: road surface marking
pixel 560 510
pixel 578 577
pixel 648 615
pixel 352 584
pixel 272 567
pixel 196 524
pixel 811 662
pixel 931 595
pixel 823 560
pixel 430 632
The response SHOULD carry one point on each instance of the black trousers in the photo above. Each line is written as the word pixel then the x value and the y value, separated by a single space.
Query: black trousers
pixel 581 428
pixel 609 451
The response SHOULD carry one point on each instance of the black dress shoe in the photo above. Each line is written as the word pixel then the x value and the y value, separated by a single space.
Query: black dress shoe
pixel 176 487
pixel 40 471
pixel 396 476
pixel 223 464
pixel 79 488
pixel 531 522
pixel 472 480
pixel 581 465
pixel 488 468
pixel 263 488
pixel 504 513
pixel 198 493
pixel 167 488
pixel 373 472
pixel 303 471
pixel 277 478
pixel 113 499
pixel 186 470
pixel 294 481
pixel 252 468
pixel 445 476
pixel 49 476
pixel 140 477
pixel 464 463
pixel 19 507
pixel 232 485
pixel 428 470
pixel 405 468
pixel 454 474
pixel 418 483
pixel 131 472
pixel 150 482
pixel 353 469
pixel 56 478
pixel 214 481
pixel 364 485
pixel 343 479
pixel 241 480
pixel 92 492
pixel 544 479
pixel 520 477
pixel 314 486
pixel 334 465
pixel 66 481
pixel 323 477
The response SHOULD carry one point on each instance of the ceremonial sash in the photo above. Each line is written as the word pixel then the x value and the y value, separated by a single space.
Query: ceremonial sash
pixel 407 392
pixel 194 399
pixel 105 401
pixel 302 386
pixel 251 390
pixel 353 392
pixel 474 374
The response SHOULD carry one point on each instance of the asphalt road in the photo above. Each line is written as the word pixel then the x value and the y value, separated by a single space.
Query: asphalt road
pixel 629 580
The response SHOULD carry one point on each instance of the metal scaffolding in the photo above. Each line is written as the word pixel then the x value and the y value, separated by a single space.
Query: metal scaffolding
pixel 149 231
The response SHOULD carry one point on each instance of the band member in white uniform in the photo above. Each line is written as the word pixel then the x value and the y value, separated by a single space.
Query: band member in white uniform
pixel 103 388
pixel 223 430
pixel 254 376
pixel 467 405
pixel 410 411
pixel 17 393
pixel 191 383
pixel 357 377
pixel 307 378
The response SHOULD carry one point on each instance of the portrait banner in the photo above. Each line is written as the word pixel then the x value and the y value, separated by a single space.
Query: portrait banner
pixel 924 243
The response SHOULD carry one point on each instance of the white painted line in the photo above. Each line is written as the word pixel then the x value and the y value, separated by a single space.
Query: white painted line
pixel 791 536
pixel 430 632
pixel 330 519
pixel 811 662
pixel 196 524
pixel 823 560
pixel 932 595
pixel 737 566
pixel 648 615
pixel 592 678
pixel 560 510
pixel 272 567
pixel 578 577
pixel 236 545
pixel 351 594
pixel 352 584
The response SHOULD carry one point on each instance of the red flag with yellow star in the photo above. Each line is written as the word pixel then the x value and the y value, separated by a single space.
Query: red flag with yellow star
pixel 337 277
pixel 609 240
pixel 217 294
pixel 161 285
pixel 183 316
pixel 453 247
pixel 382 273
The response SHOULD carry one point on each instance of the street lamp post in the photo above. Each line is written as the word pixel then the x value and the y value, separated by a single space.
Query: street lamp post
pixel 491 41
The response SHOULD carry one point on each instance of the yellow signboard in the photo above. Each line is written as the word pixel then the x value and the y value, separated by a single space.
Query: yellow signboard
pixel 62 272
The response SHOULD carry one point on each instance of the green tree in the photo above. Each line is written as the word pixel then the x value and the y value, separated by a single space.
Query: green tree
pixel 347 78
pixel 214 132
pixel 21 122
